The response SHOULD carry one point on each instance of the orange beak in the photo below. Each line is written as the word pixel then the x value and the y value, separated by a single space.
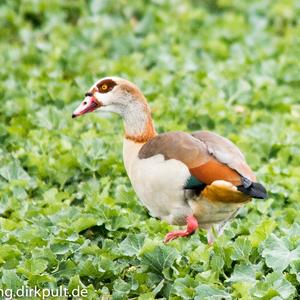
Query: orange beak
pixel 89 104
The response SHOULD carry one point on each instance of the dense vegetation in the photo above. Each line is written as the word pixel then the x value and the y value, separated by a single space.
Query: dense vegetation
pixel 69 215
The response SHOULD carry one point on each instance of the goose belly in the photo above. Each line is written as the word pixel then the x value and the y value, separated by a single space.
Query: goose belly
pixel 217 203
pixel 159 186
pixel 210 212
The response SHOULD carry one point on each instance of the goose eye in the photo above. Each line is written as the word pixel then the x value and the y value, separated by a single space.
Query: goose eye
pixel 104 87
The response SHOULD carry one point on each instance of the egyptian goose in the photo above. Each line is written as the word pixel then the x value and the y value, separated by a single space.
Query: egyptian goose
pixel 197 179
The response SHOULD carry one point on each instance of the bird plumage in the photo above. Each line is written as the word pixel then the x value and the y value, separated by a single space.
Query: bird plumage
pixel 199 179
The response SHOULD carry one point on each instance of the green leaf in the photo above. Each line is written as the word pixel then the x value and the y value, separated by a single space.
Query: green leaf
pixel 13 171
pixel 245 273
pixel 295 269
pixel 241 249
pixel 33 266
pixel 121 287
pixel 207 292
pixel 75 283
pixel 217 263
pixel 132 244
pixel 159 287
pixel 84 223
pixel 184 287
pixel 274 285
pixel 277 253
pixel 262 231
pixel 11 280
pixel 158 257
pixel 40 279
pixel 9 252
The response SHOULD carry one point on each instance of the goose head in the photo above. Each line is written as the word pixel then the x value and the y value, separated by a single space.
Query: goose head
pixel 117 95
pixel 111 94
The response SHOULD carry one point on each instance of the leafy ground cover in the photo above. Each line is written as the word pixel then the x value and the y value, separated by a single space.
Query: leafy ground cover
pixel 69 216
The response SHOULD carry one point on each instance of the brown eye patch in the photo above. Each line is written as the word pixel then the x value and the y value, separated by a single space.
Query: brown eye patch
pixel 105 85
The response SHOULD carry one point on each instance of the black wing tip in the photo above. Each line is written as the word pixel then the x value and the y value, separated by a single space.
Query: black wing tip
pixel 255 190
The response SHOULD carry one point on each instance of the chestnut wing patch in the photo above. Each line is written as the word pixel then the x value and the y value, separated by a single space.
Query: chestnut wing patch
pixel 203 165
pixel 214 170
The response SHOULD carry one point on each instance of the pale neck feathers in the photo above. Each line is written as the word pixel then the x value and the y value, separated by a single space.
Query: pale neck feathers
pixel 137 119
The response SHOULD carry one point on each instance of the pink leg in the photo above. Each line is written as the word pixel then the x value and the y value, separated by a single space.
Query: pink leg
pixel 192 225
